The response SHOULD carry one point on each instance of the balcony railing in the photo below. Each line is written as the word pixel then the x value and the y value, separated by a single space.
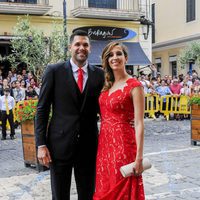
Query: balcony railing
pixel 20 1
pixel 123 10
pixel 34 7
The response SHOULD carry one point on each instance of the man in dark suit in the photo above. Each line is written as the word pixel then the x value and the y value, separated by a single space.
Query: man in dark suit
pixel 69 141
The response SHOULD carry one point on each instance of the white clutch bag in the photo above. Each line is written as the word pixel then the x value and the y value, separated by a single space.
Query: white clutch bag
pixel 127 170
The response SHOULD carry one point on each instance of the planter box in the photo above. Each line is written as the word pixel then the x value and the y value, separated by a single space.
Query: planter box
pixel 195 124
pixel 29 146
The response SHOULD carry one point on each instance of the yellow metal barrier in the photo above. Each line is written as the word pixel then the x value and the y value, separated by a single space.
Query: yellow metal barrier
pixel 173 104
pixel 151 104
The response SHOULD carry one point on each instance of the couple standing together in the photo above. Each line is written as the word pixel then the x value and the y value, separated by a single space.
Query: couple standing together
pixel 70 140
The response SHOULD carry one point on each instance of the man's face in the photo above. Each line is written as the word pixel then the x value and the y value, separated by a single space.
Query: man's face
pixel 18 84
pixel 6 93
pixel 5 82
pixel 80 48
pixel 175 81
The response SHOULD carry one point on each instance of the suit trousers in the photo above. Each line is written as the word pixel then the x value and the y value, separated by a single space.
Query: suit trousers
pixel 61 174
pixel 6 117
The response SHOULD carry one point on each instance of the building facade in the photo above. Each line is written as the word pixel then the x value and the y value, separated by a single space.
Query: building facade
pixel 176 24
pixel 112 18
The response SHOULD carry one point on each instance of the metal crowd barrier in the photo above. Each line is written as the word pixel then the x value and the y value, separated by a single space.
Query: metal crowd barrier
pixel 175 105
pixel 151 105
pixel 166 105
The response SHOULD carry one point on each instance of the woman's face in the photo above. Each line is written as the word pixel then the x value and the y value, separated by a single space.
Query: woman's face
pixel 117 59
pixel 168 81
pixel 22 83
pixel 196 82
pixel 163 83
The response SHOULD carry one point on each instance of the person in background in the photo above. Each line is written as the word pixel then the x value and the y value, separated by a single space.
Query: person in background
pixel 29 77
pixel 24 74
pixel 23 84
pixel 13 85
pixel 7 103
pixel 31 94
pixel 185 89
pixel 195 88
pixel 145 83
pixel 154 70
pixel 163 90
pixel 5 85
pixel 18 92
pixel 175 87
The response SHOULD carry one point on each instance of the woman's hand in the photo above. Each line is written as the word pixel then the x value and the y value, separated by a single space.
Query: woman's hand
pixel 138 167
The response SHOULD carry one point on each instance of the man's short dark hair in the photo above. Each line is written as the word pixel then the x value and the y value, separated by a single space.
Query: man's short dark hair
pixel 78 33
pixel 7 89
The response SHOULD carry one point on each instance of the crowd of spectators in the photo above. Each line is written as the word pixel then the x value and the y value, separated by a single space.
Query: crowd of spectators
pixel 153 83
pixel 188 84
pixel 23 86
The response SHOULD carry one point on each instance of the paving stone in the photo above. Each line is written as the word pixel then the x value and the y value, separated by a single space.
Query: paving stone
pixel 174 175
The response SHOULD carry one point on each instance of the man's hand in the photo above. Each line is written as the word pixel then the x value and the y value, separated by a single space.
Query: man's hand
pixel 44 156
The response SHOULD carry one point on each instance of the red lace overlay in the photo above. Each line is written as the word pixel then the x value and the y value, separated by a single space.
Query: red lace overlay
pixel 117 147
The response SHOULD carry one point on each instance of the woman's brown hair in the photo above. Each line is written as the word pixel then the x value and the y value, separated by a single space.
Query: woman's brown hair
pixel 109 76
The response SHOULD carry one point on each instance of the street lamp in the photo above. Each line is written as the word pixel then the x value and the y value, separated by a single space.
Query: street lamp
pixel 146 25
pixel 65 27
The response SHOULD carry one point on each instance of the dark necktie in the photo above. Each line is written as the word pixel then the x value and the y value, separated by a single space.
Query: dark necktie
pixel 80 79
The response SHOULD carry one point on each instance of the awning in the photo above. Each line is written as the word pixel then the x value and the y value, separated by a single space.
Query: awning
pixel 135 52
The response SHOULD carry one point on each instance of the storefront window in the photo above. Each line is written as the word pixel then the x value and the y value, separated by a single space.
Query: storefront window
pixel 102 4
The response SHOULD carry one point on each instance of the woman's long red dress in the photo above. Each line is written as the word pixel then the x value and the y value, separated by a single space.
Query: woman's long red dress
pixel 117 147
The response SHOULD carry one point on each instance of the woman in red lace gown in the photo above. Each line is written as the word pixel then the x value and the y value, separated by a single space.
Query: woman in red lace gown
pixel 121 101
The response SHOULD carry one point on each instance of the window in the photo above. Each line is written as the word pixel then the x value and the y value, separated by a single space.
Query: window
pixel 158 64
pixel 102 4
pixel 174 68
pixel 190 12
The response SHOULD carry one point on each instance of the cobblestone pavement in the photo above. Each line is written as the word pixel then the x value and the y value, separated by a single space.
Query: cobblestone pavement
pixel 175 173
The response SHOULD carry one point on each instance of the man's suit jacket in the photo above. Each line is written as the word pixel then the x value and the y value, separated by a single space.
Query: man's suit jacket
pixel 73 125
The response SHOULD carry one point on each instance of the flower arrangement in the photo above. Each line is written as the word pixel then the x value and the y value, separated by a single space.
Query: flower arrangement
pixel 194 100
pixel 26 110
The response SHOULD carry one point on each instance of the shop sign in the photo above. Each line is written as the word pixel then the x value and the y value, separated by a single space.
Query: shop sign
pixel 107 33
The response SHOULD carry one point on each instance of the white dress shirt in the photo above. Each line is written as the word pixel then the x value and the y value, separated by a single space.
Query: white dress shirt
pixel 11 102
pixel 75 72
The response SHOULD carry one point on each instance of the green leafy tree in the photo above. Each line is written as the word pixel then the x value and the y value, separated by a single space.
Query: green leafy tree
pixel 32 47
pixel 191 53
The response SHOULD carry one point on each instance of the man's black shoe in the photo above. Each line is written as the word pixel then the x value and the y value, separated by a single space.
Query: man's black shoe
pixel 3 138
pixel 12 137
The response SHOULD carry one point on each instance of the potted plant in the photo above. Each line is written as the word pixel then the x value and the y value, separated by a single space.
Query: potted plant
pixel 195 119
pixel 25 113
pixel 32 47
pixel 25 110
